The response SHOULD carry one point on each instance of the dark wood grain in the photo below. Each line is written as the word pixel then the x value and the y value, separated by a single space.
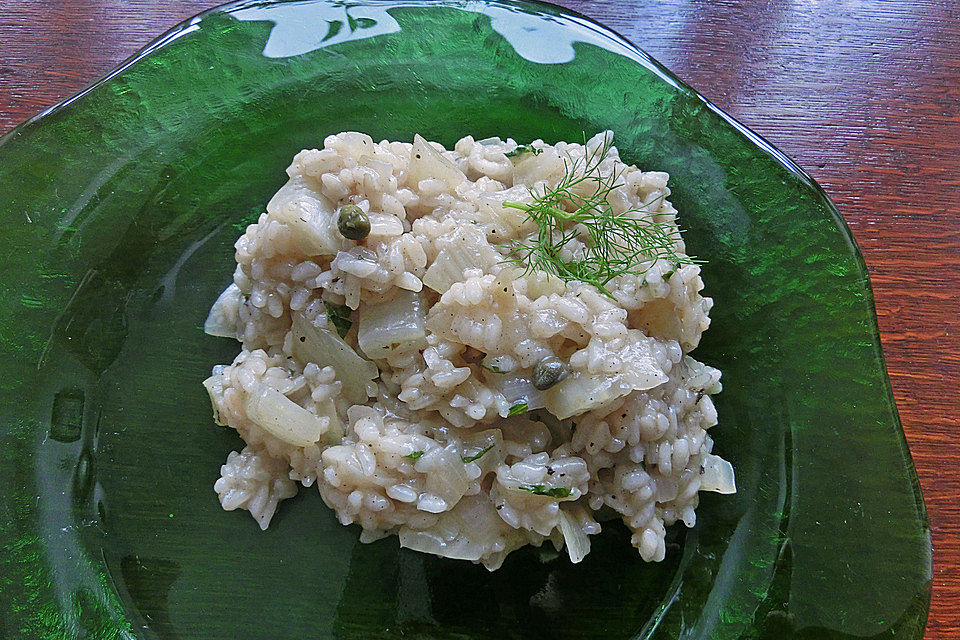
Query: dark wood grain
pixel 864 94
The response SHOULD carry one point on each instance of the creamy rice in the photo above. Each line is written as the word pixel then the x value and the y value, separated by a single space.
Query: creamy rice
pixel 422 421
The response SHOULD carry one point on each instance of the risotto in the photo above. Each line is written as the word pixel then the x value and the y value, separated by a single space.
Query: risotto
pixel 473 349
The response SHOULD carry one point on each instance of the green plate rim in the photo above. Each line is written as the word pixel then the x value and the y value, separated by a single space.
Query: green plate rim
pixel 650 63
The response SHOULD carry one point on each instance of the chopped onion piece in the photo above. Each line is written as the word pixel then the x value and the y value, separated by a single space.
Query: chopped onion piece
pixel 426 163
pixel 223 316
pixel 325 348
pixel 394 326
pixel 577 542
pixel 283 418
pixel 717 475
pixel 310 215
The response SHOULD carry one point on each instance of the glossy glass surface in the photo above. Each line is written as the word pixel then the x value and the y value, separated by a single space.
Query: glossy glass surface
pixel 119 211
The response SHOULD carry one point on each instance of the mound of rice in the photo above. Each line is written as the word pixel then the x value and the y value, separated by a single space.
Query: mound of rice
pixel 421 421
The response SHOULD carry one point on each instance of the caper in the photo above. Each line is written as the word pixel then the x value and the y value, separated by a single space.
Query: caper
pixel 548 372
pixel 353 222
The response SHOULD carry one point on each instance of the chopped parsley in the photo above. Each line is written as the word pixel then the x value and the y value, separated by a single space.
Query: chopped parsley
pixel 494 368
pixel 666 276
pixel 517 409
pixel 476 457
pixel 523 149
pixel 543 490
pixel 339 316
pixel 414 456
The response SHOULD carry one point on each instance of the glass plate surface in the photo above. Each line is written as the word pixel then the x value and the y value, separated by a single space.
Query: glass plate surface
pixel 119 209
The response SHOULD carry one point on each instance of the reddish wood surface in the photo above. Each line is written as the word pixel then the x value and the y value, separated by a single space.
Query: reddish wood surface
pixel 863 94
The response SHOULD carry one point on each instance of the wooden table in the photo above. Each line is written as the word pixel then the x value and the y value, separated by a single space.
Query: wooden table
pixel 865 95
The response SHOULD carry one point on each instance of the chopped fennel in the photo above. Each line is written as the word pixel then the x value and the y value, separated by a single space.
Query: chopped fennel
pixel 464 533
pixel 284 419
pixel 576 541
pixel 581 392
pixel 223 316
pixel 325 348
pixel 395 326
pixel 310 216
pixel 716 474
pixel 517 390
pixel 447 478
pixel 214 387
pixel 466 248
pixel 426 163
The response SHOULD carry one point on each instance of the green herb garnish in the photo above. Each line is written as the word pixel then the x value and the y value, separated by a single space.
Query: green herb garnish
pixel 339 316
pixel 414 456
pixel 476 457
pixel 517 409
pixel 666 276
pixel 492 368
pixel 614 243
pixel 522 149
pixel 543 490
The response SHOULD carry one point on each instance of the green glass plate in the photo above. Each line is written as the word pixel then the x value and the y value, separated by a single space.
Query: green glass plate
pixel 119 209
